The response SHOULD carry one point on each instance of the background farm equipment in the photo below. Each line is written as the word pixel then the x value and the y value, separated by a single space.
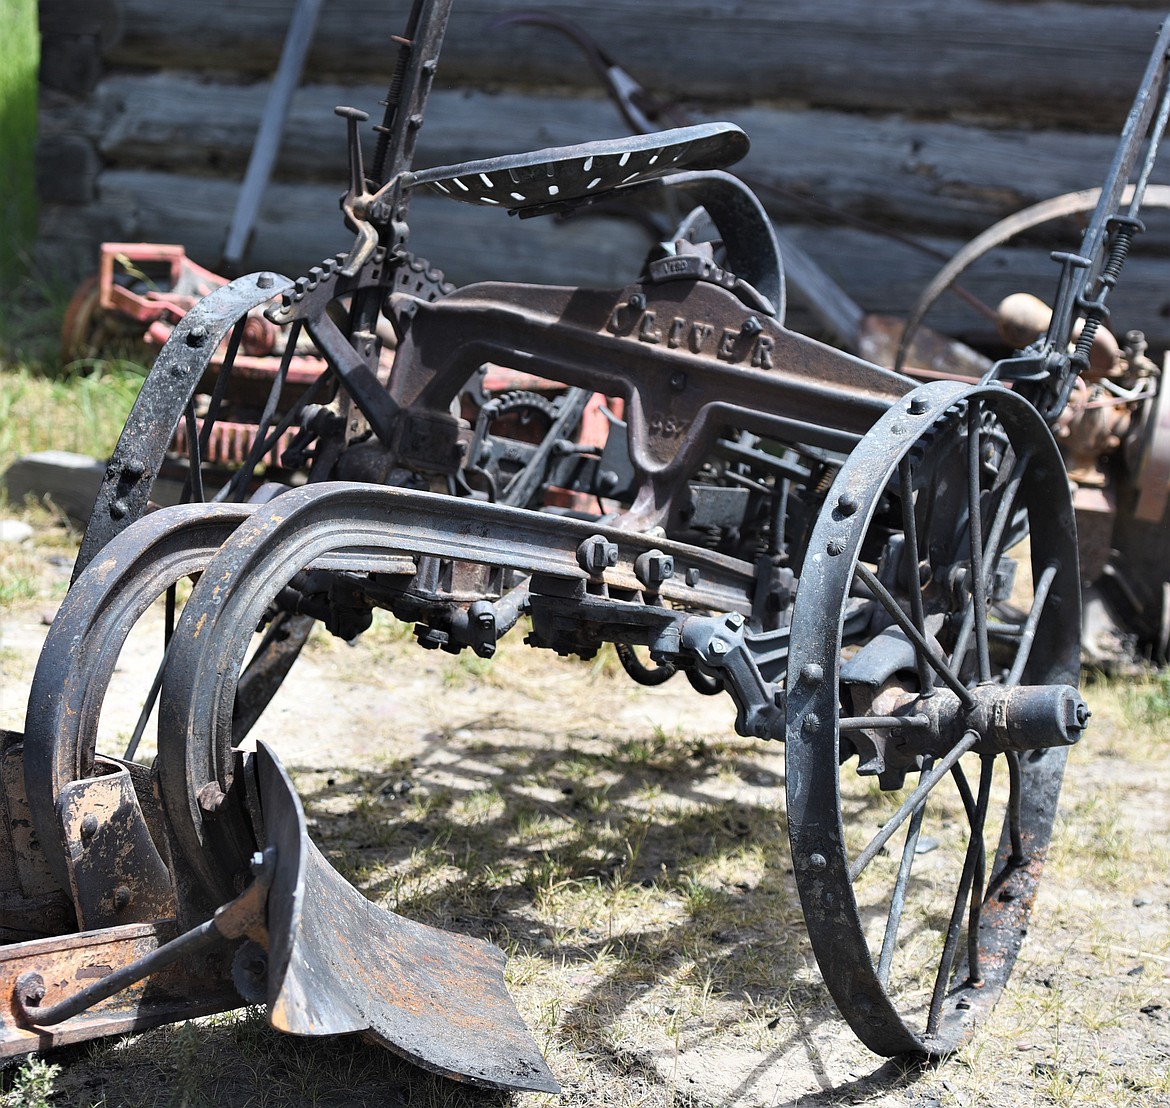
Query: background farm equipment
pixel 881 573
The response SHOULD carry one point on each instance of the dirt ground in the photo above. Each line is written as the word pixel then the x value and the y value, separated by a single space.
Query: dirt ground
pixel 628 852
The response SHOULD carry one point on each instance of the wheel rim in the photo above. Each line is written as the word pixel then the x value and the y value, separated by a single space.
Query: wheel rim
pixel 912 960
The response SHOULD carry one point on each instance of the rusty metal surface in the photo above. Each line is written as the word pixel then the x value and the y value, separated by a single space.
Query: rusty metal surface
pixel 338 963
pixel 69 963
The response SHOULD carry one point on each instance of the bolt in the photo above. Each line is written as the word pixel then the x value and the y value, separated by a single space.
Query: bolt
pixel 119 508
pixel 607 481
pixel 596 554
pixel 718 647
pixel 817 861
pixel 918 405
pixel 415 122
pixel 31 987
pixel 265 280
pixel 121 898
pixel 210 796
pixel 752 326
pixel 653 567
pixel 694 576
pixel 197 336
pixel 89 826
pixel 734 620
pixel 811 673
pixel 637 302
pixel 847 504
pixel 678 381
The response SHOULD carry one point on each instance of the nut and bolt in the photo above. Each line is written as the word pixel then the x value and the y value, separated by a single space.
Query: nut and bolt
pixel 597 554
pixel 653 567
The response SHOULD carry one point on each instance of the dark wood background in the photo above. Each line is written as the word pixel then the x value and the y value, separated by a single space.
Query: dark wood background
pixel 890 132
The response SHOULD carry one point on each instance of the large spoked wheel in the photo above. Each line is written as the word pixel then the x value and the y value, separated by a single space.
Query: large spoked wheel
pixel 925 754
pixel 224 395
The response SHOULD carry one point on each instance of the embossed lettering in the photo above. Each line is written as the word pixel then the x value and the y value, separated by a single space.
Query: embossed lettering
pixel 727 344
pixel 678 328
pixel 667 426
pixel 762 354
pixel 699 333
pixel 614 326
pixel 648 332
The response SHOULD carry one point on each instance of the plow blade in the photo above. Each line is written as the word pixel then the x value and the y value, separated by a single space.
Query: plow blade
pixel 338 963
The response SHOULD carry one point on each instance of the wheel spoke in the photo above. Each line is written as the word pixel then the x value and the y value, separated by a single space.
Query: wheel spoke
pixel 898 897
pixel 912 803
pixel 221 383
pixel 1028 634
pixel 937 662
pixel 972 862
pixel 977 581
pixel 193 488
pixel 1007 504
pixel 913 581
pixel 1015 797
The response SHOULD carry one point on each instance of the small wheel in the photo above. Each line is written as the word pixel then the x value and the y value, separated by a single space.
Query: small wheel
pixel 925 751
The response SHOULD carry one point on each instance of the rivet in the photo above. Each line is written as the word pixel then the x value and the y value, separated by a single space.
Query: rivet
pixel 89 826
pixel 265 280
pixel 836 546
pixel 811 673
pixel 197 336
pixel 121 898
pixel 847 504
pixel 119 509
pixel 812 722
pixel 918 405
pixel 817 861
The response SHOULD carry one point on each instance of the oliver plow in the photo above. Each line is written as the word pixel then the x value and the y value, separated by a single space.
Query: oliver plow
pixel 880 573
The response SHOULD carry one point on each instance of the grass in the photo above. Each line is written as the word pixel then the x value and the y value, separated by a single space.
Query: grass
pixel 19 56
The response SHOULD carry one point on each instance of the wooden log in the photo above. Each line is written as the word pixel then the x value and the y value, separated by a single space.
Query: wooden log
pixel 915 175
pixel 1067 63
pixel 299 225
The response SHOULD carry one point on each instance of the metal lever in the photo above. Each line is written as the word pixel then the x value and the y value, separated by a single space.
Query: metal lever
pixel 356 202
pixel 244 916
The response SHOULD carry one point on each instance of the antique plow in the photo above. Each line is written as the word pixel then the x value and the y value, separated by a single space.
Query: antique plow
pixel 881 574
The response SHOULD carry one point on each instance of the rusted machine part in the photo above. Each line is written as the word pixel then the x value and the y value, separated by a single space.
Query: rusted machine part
pixel 1022 318
pixel 1059 207
pixel 337 963
pixel 949 625
pixel 144 440
pixel 82 648
pixel 69 963
pixel 137 284
pixel 689 358
pixel 373 529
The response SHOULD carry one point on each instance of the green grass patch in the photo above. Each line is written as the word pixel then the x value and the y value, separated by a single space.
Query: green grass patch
pixel 19 56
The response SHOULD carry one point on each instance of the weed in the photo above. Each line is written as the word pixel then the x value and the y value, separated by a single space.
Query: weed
pixel 32 1086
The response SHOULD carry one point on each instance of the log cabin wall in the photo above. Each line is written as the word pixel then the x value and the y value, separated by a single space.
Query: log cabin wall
pixel 885 133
